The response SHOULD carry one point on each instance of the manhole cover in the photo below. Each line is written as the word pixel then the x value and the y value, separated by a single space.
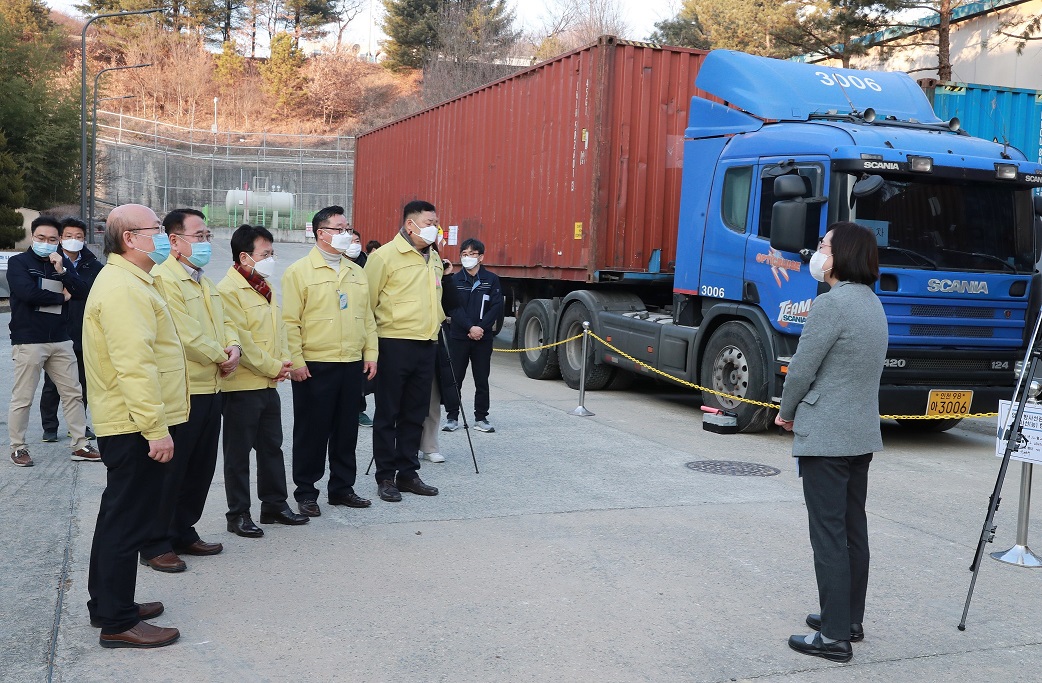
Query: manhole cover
pixel 733 468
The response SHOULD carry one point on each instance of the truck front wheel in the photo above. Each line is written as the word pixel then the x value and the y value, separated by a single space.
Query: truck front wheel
pixel 735 362
pixel 534 330
pixel 597 375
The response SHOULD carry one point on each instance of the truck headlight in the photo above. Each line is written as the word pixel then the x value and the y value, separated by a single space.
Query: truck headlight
pixel 1006 171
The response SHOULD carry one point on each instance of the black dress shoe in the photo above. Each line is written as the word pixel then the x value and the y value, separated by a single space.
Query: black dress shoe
pixel 309 508
pixel 838 651
pixel 389 492
pixel 243 525
pixel 350 499
pixel 286 516
pixel 857 631
pixel 416 486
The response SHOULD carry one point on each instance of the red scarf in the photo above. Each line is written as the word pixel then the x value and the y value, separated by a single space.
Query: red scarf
pixel 256 281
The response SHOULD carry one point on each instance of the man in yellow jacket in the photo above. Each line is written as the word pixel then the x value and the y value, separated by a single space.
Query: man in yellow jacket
pixel 252 408
pixel 137 379
pixel 332 343
pixel 212 350
pixel 405 290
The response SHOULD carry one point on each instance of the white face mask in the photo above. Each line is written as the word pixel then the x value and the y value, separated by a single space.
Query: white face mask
pixel 265 267
pixel 341 241
pixel 353 250
pixel 469 261
pixel 428 233
pixel 817 266
pixel 72 245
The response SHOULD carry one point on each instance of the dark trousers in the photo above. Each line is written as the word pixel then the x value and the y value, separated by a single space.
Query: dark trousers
pixel 835 490
pixel 403 397
pixel 134 482
pixel 478 354
pixel 49 398
pixel 188 477
pixel 325 420
pixel 253 420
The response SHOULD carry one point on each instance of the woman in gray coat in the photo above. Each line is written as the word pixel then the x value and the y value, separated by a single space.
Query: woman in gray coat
pixel 831 404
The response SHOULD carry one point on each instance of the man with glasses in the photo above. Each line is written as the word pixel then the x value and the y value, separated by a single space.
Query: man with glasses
pixel 137 379
pixel 212 352
pixel 252 408
pixel 332 343
pixel 42 283
pixel 480 307
pixel 87 266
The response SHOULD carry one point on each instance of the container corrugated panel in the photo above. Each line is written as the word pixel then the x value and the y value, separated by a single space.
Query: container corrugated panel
pixel 564 169
pixel 1002 114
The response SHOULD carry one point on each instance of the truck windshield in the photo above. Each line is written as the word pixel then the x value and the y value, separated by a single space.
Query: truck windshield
pixel 939 224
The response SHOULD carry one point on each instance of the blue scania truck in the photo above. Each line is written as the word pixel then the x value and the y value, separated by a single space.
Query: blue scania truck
pixel 795 147
pixel 773 152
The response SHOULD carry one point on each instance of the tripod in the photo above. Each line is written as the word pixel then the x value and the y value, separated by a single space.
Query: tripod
pixel 459 395
pixel 1015 440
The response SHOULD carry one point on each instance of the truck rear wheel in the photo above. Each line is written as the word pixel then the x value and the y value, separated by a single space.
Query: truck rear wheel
pixel 534 330
pixel 571 356
pixel 735 362
pixel 929 426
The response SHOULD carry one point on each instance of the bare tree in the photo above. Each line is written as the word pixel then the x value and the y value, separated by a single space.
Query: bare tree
pixel 569 24
pixel 345 11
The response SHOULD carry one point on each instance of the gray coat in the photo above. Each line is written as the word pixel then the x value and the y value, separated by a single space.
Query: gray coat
pixel 832 386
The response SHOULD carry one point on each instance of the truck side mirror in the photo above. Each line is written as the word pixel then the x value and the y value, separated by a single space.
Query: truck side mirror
pixel 789 213
pixel 788 225
pixel 1038 204
pixel 1038 237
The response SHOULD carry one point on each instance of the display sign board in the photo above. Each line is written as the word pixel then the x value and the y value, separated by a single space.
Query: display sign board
pixel 1031 429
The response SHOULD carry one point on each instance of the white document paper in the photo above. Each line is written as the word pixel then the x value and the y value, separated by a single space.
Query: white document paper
pixel 51 286
pixel 453 235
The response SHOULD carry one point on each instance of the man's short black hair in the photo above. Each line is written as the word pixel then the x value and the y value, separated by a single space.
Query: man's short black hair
pixel 50 221
pixel 372 245
pixel 245 237
pixel 472 243
pixel 415 208
pixel 855 253
pixel 73 222
pixel 174 222
pixel 325 214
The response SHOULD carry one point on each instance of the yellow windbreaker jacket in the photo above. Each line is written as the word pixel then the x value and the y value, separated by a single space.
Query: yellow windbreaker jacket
pixel 405 291
pixel 137 375
pixel 261 331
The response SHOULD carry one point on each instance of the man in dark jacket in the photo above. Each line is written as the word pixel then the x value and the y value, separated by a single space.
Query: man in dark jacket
pixel 87 266
pixel 480 306
pixel 42 282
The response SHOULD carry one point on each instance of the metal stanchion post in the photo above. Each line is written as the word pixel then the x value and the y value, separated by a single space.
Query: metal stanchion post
pixel 1020 554
pixel 581 409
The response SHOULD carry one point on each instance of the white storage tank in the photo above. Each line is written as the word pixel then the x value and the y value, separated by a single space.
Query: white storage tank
pixel 269 202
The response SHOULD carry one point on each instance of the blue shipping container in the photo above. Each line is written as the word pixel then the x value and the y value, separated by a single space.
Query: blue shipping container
pixel 1013 115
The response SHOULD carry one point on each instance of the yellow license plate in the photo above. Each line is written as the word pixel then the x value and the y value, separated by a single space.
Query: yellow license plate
pixel 949 403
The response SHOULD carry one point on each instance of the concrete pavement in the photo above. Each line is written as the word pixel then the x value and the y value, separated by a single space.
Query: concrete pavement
pixel 584 551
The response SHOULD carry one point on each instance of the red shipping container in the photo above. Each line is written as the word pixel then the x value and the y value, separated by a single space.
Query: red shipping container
pixel 566 169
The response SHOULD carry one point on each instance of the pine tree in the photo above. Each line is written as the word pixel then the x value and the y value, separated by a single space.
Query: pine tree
pixel 12 196
pixel 283 79
pixel 684 30
pixel 413 27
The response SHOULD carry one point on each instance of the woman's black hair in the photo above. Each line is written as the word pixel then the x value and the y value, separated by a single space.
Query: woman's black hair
pixel 855 253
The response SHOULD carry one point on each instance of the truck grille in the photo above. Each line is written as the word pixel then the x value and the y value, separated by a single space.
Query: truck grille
pixel 976 312
pixel 963 365
pixel 951 331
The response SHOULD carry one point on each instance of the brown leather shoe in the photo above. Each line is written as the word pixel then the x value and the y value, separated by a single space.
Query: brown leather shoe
pixel 145 610
pixel 143 634
pixel 415 485
pixel 167 562
pixel 21 457
pixel 350 499
pixel 307 507
pixel 88 453
pixel 200 548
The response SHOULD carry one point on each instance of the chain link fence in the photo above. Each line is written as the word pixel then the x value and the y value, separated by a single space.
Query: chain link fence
pixel 275 180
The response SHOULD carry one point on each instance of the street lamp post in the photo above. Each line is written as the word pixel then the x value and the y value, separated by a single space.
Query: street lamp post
pixel 94 140
pixel 83 104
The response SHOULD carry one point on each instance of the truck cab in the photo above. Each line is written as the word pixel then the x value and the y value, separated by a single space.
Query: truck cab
pixel 791 148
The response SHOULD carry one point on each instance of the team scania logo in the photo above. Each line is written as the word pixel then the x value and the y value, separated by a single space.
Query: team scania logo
pixel 957 286
pixel 883 165
pixel 1033 178
pixel 794 312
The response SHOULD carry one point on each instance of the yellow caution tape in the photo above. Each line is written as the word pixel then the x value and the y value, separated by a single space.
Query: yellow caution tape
pixel 544 346
pixel 732 397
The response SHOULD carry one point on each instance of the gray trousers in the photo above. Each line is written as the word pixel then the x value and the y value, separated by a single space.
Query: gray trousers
pixel 835 490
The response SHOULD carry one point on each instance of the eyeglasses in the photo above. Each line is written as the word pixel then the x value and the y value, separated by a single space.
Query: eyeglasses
pixel 469 253
pixel 339 231
pixel 263 255
pixel 821 243
pixel 198 237
pixel 156 228
pixel 45 240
